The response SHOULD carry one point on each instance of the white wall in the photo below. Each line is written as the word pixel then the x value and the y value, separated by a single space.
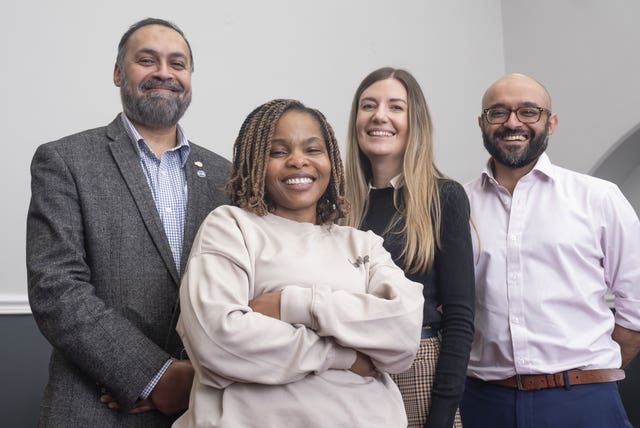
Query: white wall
pixel 58 62
pixel 586 53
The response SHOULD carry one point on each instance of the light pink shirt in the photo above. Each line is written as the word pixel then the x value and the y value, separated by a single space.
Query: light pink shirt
pixel 545 258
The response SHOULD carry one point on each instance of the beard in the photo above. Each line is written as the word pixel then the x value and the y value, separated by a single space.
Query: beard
pixel 515 157
pixel 155 110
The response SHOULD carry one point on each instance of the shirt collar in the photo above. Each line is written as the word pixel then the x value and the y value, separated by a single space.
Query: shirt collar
pixel 394 182
pixel 138 142
pixel 543 166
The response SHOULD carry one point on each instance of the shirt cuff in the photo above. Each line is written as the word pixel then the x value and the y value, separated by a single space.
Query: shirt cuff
pixel 626 313
pixel 295 305
pixel 147 390
pixel 343 358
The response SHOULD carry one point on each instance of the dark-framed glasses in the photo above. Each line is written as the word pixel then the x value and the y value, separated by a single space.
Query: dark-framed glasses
pixel 500 115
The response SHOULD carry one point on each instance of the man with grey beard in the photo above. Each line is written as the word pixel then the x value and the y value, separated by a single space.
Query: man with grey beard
pixel 547 350
pixel 113 214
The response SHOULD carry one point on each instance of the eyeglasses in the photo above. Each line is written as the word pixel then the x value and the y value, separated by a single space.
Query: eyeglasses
pixel 500 115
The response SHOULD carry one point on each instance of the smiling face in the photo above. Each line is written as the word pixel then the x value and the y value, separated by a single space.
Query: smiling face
pixel 155 77
pixel 514 144
pixel 382 122
pixel 298 169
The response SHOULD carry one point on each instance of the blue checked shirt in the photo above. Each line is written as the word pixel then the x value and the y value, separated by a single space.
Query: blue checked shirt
pixel 168 185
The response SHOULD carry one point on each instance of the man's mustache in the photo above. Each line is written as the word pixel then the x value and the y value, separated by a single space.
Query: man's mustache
pixel 155 83
pixel 511 132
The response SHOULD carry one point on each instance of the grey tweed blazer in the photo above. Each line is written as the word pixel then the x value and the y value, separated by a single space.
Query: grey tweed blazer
pixel 103 286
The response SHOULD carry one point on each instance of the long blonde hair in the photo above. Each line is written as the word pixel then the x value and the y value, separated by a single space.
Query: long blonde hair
pixel 416 197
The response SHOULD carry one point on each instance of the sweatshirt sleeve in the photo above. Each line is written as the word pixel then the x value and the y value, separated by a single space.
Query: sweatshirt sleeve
pixel 384 322
pixel 228 342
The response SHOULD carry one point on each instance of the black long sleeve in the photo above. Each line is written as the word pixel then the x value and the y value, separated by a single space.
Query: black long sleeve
pixel 449 290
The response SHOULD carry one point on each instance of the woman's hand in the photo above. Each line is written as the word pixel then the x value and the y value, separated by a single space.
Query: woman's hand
pixel 363 366
pixel 267 304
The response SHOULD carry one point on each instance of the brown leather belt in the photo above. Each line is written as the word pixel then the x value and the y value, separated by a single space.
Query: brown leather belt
pixel 557 380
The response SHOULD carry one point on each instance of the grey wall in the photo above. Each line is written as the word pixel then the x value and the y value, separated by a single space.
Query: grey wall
pixel 59 57
pixel 622 165
pixel 631 186
pixel 23 370
pixel 57 75
pixel 630 392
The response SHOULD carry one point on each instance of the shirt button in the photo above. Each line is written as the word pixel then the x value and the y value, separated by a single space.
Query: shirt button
pixel 169 210
pixel 514 238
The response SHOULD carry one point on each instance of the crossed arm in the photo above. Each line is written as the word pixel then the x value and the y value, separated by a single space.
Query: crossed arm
pixel 229 338
pixel 269 304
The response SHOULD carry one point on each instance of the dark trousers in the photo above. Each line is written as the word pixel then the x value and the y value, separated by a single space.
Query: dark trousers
pixel 598 405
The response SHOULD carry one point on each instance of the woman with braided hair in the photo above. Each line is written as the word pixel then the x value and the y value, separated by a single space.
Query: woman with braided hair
pixel 397 192
pixel 279 303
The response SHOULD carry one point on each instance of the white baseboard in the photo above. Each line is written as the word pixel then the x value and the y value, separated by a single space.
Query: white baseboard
pixel 14 305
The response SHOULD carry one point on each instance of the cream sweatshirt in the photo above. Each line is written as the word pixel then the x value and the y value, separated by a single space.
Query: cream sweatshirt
pixel 341 292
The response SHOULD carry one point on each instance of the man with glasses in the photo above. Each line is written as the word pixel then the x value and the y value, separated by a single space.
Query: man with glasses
pixel 547 350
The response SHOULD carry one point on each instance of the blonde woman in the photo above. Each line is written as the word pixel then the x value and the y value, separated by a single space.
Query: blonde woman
pixel 396 191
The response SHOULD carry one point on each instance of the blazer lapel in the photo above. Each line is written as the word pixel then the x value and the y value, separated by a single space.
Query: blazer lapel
pixel 128 162
pixel 199 202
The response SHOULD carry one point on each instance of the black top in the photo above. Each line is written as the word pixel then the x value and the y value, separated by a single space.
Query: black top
pixel 449 289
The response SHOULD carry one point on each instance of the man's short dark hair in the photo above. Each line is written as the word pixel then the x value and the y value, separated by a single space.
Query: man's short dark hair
pixel 122 46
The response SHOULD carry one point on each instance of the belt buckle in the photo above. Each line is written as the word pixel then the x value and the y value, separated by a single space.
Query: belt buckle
pixel 519 382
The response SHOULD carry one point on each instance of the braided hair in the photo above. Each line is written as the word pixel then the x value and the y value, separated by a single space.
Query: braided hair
pixel 246 187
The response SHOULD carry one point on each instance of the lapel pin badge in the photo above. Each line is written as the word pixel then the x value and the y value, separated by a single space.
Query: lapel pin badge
pixel 200 172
